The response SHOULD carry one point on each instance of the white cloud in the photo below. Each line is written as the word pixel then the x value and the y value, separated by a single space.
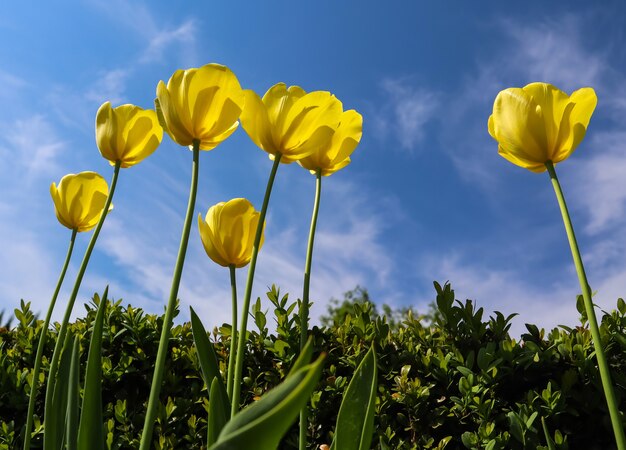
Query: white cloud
pixel 494 289
pixel 406 113
pixel 9 83
pixel 110 86
pixel 555 51
pixel 135 16
pixel 598 183
pixel 162 39
pixel 348 252
pixel 30 147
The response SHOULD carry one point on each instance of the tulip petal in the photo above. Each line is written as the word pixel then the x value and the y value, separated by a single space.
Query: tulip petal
pixel 574 125
pixel 334 168
pixel 228 232
pixel 106 130
pixel 169 111
pixel 524 163
pixel 348 135
pixel 553 103
pixel 310 113
pixel 215 102
pixel 201 105
pixel 208 242
pixel 491 127
pixel 278 101
pixel 79 200
pixel 519 127
pixel 255 121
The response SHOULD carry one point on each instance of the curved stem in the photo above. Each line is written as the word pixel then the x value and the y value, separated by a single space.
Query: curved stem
pixel 159 368
pixel 233 332
pixel 56 355
pixel 304 306
pixel 42 344
pixel 603 367
pixel 246 301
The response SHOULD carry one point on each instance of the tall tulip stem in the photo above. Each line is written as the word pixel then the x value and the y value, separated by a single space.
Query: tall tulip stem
pixel 42 344
pixel 233 332
pixel 241 343
pixel 603 367
pixel 304 306
pixel 159 368
pixel 56 355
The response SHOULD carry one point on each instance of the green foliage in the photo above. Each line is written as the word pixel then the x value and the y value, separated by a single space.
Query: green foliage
pixel 457 380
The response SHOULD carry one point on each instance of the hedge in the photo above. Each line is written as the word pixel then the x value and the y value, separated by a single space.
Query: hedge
pixel 453 379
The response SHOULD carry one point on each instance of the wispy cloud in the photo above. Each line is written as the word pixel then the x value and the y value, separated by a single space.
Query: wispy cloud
pixel 598 182
pixel 110 86
pixel 163 39
pixel 348 252
pixel 495 289
pixel 554 51
pixel 406 112
pixel 134 16
pixel 30 154
pixel 10 82
pixel 31 147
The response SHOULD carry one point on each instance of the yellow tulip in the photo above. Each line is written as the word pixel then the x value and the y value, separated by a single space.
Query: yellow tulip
pixel 540 123
pixel 128 133
pixel 200 105
pixel 329 158
pixel 228 232
pixel 290 122
pixel 79 200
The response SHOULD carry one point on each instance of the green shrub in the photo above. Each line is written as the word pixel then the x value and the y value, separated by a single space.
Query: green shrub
pixel 457 380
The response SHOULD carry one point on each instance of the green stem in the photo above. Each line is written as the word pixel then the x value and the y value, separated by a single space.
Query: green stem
pixel 603 367
pixel 549 441
pixel 42 343
pixel 159 368
pixel 246 301
pixel 56 355
pixel 233 332
pixel 304 306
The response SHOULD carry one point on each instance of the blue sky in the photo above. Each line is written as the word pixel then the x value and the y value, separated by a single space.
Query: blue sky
pixel 426 197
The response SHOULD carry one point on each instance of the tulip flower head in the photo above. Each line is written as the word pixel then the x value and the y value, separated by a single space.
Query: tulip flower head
pixel 335 155
pixel 79 200
pixel 540 123
pixel 290 122
pixel 228 232
pixel 200 105
pixel 128 133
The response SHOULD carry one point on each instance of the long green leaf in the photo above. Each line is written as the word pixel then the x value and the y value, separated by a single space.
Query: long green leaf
pixel 219 412
pixel 355 422
pixel 219 403
pixel 54 423
pixel 262 425
pixel 90 430
pixel 549 441
pixel 73 395
pixel 207 357
pixel 304 358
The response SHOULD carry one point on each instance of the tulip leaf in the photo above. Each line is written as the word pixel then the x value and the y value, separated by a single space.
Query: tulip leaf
pixel 54 423
pixel 219 412
pixel 206 356
pixel 91 430
pixel 304 358
pixel 355 422
pixel 73 395
pixel 262 425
